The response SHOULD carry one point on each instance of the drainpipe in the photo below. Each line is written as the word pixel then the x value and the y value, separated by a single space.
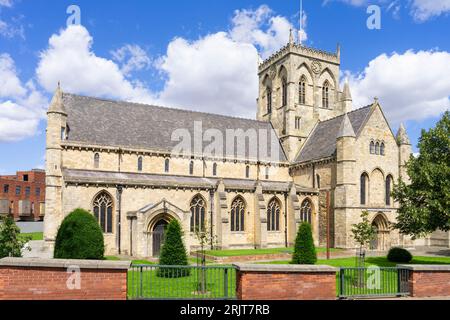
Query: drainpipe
pixel 285 219
pixel 119 205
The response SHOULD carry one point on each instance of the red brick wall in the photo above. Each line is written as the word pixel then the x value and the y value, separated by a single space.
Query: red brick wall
pixel 286 286
pixel 35 283
pixel 429 283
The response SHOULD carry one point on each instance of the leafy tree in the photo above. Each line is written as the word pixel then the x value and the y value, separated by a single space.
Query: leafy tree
pixel 11 243
pixel 173 252
pixel 304 250
pixel 425 202
pixel 363 233
pixel 79 237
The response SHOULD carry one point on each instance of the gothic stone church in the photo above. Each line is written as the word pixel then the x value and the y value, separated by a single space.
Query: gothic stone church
pixel 117 160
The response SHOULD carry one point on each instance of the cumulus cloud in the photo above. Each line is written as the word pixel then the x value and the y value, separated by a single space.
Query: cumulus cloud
pixel 218 73
pixel 132 58
pixel 70 59
pixel 410 86
pixel 22 106
pixel 423 10
pixel 6 3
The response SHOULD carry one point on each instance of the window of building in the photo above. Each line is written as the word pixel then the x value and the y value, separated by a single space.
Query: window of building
pixel 11 208
pixel 267 173
pixel 388 189
pixel 166 165
pixel 297 122
pixel 96 161
pixel 377 148
pixel 247 171
pixel 27 191
pixel 38 191
pixel 372 147
pixel 6 188
pixel 191 167
pixel 198 209
pixel 326 95
pixel 18 190
pixel 284 92
pixel 306 211
pixel 302 90
pixel 382 149
pixel 103 211
pixel 269 100
pixel 63 133
pixel 237 214
pixel 25 177
pixel 318 181
pixel 363 188
pixel 273 215
pixel 140 162
pixel 215 169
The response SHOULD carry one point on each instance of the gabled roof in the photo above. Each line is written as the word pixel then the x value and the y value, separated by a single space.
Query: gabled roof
pixel 101 122
pixel 322 141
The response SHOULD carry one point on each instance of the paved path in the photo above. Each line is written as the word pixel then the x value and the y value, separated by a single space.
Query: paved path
pixel 38 250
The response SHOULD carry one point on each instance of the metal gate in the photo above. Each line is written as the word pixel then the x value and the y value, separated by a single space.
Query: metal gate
pixel 181 282
pixel 373 282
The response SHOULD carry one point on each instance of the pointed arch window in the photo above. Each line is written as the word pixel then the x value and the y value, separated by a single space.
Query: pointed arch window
pixel 198 209
pixel 284 91
pixel 191 168
pixel 372 147
pixel 215 169
pixel 382 149
pixel 363 188
pixel 103 211
pixel 247 171
pixel 166 166
pixel 326 95
pixel 237 214
pixel 377 148
pixel 269 100
pixel 302 90
pixel 96 160
pixel 140 162
pixel 273 215
pixel 306 211
pixel 388 189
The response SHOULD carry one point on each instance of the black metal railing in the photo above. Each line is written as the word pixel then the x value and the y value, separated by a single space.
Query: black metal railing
pixel 372 282
pixel 181 282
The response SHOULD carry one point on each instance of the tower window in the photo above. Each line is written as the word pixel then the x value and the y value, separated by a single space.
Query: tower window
pixel 269 100
pixel 325 95
pixel 267 173
pixel 297 122
pixel 388 190
pixel 382 149
pixel 191 167
pixel 284 91
pixel 247 171
pixel 363 188
pixel 372 147
pixel 302 90
pixel 166 166
pixel 377 148
pixel 215 169
pixel 140 164
pixel 63 133
pixel 96 161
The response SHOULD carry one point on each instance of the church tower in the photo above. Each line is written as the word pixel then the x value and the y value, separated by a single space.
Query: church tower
pixel 299 86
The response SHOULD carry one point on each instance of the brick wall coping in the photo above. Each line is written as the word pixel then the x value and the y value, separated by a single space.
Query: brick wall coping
pixel 287 268
pixel 425 267
pixel 64 263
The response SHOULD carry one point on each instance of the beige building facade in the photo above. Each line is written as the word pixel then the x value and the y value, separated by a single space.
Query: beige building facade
pixel 249 183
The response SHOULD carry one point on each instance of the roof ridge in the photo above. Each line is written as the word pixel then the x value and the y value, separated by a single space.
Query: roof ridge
pixel 334 118
pixel 164 107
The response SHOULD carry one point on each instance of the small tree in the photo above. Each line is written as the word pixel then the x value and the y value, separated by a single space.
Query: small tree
pixel 363 233
pixel 173 252
pixel 79 237
pixel 304 251
pixel 204 238
pixel 11 243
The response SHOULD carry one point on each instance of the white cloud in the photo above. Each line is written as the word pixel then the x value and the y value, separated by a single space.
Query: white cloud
pixel 218 73
pixel 410 86
pixel 21 106
pixel 71 60
pixel 423 10
pixel 132 58
pixel 6 3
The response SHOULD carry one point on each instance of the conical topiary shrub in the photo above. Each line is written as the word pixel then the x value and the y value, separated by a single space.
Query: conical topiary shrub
pixel 173 253
pixel 79 237
pixel 304 251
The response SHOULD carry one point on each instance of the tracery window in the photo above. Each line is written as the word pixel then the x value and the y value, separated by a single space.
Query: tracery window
pixel 103 211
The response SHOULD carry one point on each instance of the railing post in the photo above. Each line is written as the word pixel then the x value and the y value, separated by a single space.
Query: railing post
pixel 225 284
pixel 341 282
pixel 141 274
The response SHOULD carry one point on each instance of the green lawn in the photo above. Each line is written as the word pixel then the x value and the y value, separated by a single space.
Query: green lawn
pixel 147 284
pixel 34 235
pixel 245 252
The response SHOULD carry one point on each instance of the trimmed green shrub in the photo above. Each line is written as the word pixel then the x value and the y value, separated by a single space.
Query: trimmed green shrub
pixel 79 237
pixel 173 253
pixel 399 255
pixel 304 250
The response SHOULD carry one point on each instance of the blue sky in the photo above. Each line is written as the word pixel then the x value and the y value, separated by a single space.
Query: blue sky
pixel 169 52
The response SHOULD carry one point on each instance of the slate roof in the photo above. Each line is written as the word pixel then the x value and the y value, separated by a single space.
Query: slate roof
pixel 322 141
pixel 123 124
pixel 161 180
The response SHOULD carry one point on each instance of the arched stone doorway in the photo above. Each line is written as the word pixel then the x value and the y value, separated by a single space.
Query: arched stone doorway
pixel 158 234
pixel 382 240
